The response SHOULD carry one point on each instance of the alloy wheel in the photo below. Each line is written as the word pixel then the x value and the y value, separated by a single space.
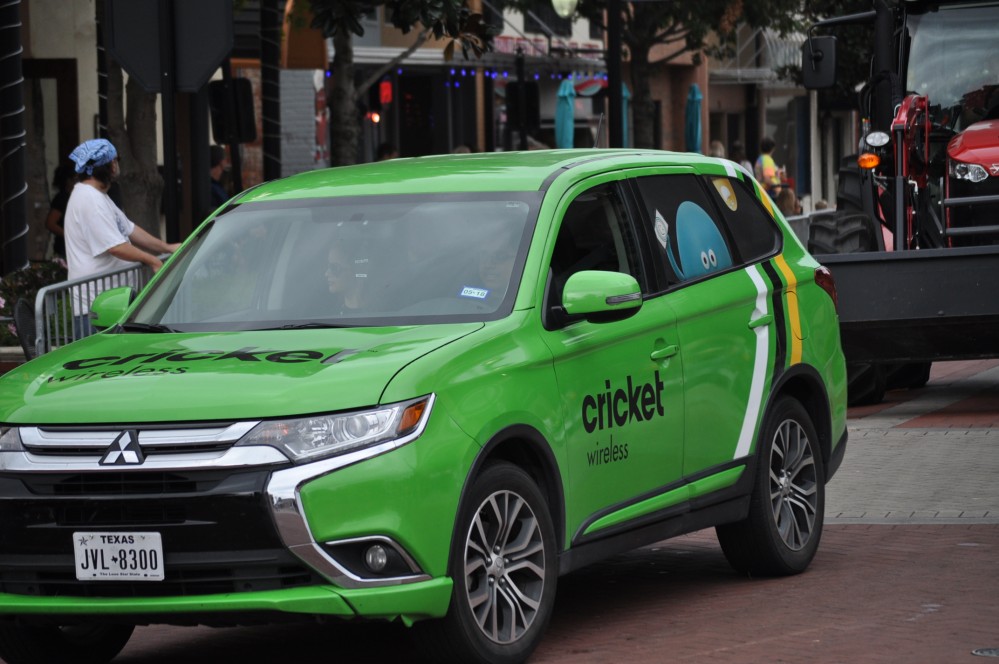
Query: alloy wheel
pixel 793 485
pixel 504 567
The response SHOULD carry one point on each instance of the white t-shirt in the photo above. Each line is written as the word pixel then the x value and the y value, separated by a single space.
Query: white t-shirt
pixel 93 224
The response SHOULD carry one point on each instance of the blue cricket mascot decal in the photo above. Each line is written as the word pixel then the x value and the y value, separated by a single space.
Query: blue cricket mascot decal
pixel 699 244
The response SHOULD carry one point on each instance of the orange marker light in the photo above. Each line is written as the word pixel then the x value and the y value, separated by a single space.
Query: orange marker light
pixel 868 160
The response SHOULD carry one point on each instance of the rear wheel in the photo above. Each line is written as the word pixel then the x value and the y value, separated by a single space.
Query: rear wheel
pixel 82 644
pixel 781 533
pixel 504 567
pixel 910 376
pixel 866 384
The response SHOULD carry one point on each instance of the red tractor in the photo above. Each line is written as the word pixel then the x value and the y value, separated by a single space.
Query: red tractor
pixel 914 241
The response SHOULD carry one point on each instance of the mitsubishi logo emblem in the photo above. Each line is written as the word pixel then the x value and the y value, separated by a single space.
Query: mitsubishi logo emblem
pixel 124 451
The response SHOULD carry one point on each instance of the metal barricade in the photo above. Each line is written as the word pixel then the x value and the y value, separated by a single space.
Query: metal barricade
pixel 54 304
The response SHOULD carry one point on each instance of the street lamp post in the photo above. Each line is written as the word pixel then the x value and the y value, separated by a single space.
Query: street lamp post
pixel 615 110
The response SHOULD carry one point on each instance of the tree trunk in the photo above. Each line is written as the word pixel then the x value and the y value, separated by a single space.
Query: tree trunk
pixel 36 170
pixel 643 109
pixel 344 125
pixel 134 136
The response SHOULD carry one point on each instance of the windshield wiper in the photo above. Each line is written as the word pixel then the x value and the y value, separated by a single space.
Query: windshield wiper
pixel 311 325
pixel 153 328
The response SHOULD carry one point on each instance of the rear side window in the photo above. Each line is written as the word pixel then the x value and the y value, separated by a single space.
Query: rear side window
pixel 752 229
pixel 689 243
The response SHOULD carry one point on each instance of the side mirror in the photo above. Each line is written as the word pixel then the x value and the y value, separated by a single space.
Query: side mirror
pixel 601 296
pixel 109 307
pixel 818 62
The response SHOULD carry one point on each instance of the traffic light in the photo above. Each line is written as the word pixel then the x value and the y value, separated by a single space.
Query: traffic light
pixel 240 126
pixel 522 106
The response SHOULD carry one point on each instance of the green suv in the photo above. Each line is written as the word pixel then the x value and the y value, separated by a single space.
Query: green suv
pixel 422 390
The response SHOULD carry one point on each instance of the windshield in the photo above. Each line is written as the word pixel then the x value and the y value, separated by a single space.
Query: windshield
pixel 954 61
pixel 382 260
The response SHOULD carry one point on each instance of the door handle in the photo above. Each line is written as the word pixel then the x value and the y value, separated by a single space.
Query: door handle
pixel 663 353
pixel 761 321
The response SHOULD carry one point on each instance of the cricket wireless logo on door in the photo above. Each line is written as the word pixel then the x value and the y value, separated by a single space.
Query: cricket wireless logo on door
pixel 617 406
pixel 138 364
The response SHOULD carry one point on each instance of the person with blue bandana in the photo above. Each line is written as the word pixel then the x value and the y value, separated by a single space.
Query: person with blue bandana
pixel 99 236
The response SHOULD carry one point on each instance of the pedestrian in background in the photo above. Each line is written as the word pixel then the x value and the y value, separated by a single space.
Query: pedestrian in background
pixel 63 180
pixel 766 170
pixel 787 202
pixel 716 149
pixel 218 166
pixel 738 153
pixel 386 151
pixel 99 237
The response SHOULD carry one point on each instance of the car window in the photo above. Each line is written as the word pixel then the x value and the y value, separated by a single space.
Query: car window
pixel 689 241
pixel 378 260
pixel 595 234
pixel 751 228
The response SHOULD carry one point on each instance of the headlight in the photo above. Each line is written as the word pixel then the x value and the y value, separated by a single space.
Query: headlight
pixel 877 139
pixel 309 438
pixel 970 172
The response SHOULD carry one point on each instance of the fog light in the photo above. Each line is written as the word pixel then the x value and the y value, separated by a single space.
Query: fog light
pixel 376 558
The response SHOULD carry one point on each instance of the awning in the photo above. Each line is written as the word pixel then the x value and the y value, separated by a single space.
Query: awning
pixel 758 55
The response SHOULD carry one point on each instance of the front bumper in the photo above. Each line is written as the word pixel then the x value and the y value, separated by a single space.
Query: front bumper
pixel 427 599
pixel 239 538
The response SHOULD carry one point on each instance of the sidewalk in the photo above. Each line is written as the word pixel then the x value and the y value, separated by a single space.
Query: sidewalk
pixel 924 456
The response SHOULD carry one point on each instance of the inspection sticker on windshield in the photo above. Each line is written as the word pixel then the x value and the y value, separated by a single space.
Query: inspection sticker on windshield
pixel 477 293
pixel 106 556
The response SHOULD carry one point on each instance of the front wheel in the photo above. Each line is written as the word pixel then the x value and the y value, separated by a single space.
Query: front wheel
pixel 82 644
pixel 504 567
pixel 781 533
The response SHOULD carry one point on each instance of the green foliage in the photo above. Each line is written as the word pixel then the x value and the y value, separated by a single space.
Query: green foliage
pixel 687 24
pixel 444 18
pixel 25 284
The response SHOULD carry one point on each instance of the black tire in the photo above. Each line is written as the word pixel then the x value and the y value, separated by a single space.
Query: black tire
pixel 866 384
pixel 841 233
pixel 95 643
pixel 504 512
pixel 781 533
pixel 909 376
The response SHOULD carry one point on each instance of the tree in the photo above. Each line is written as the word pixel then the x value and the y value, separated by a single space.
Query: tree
pixel 682 27
pixel 131 127
pixel 341 20
pixel 132 130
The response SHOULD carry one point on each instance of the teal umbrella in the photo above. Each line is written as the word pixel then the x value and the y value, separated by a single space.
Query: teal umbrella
pixel 565 114
pixel 692 119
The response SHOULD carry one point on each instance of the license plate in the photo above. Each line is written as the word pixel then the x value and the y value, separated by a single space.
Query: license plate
pixel 118 556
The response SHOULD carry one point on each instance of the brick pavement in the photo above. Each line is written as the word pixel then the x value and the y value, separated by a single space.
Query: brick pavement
pixel 875 593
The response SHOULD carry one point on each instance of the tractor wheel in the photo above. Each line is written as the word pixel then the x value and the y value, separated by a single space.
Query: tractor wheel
pixel 850 233
pixel 841 233
pixel 866 384
pixel 909 376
